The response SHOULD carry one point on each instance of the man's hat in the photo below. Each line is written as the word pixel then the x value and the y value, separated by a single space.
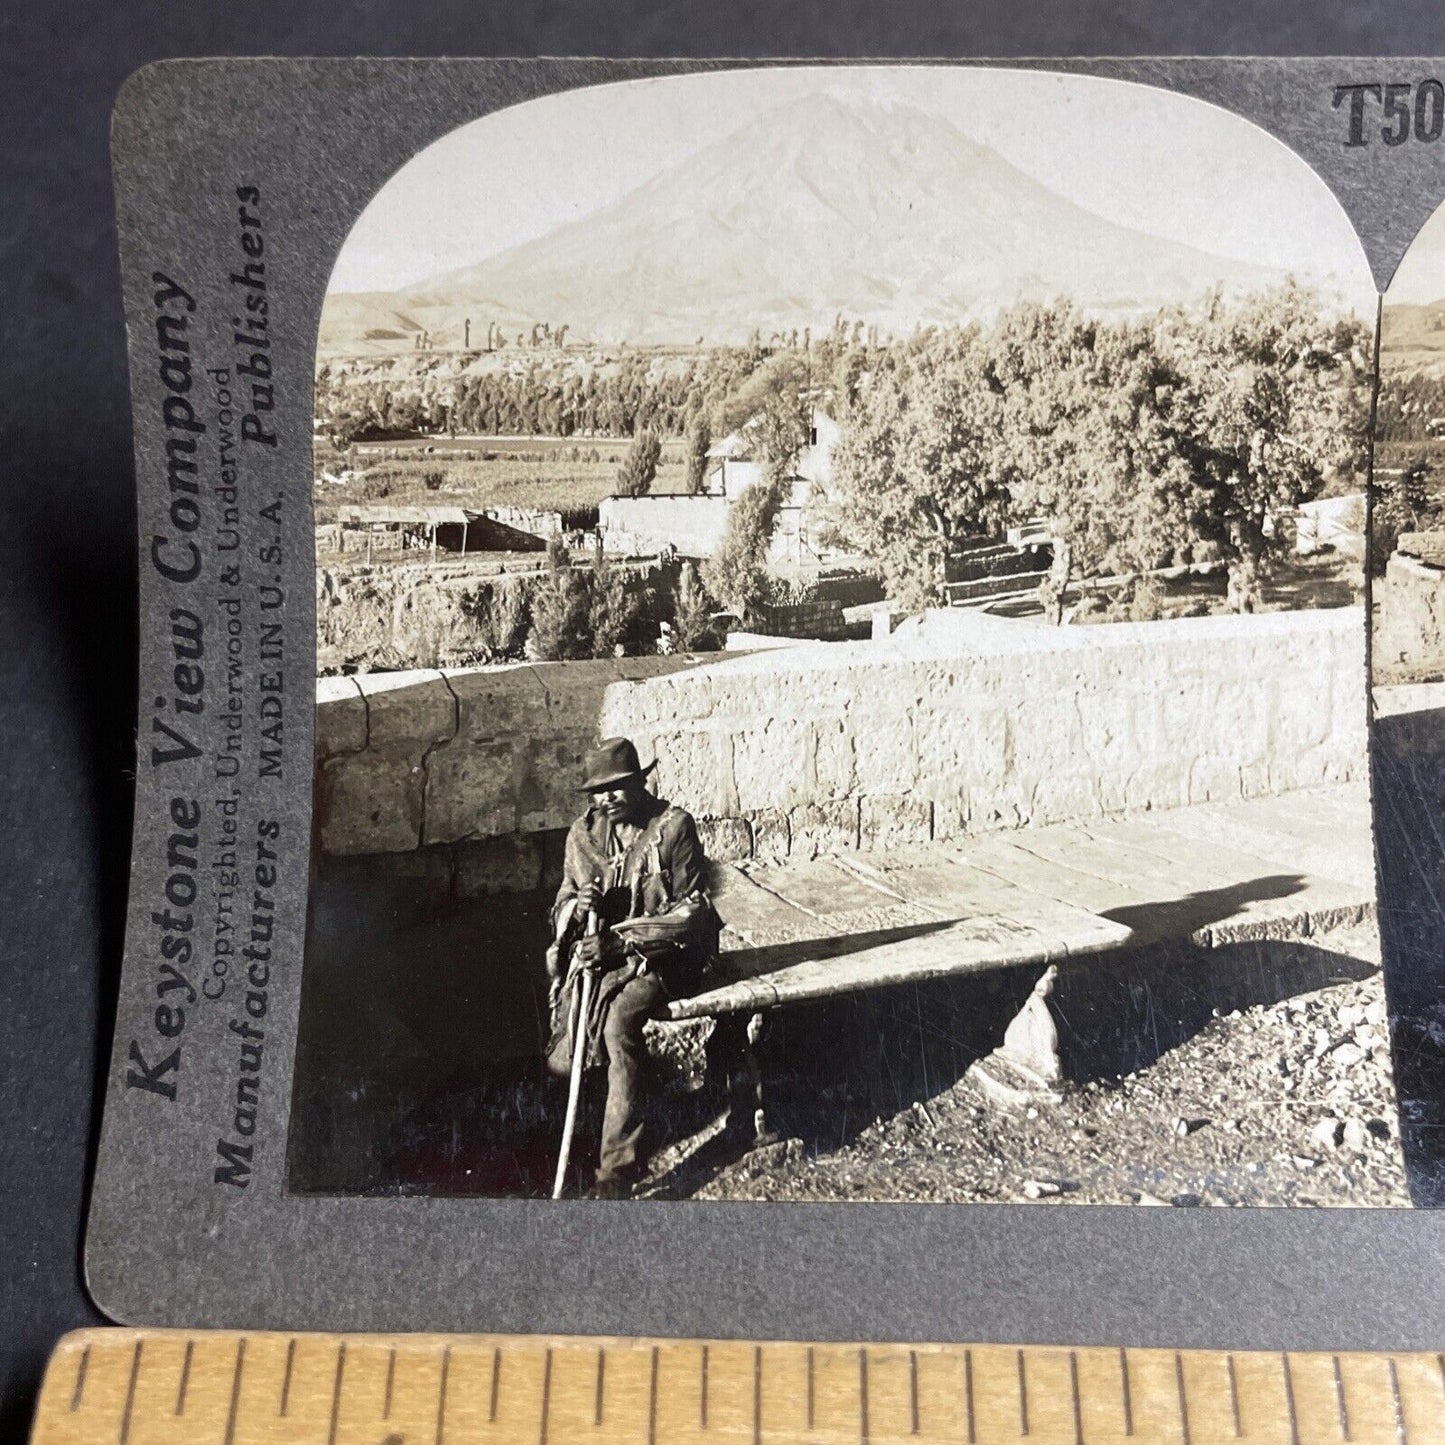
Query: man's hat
pixel 613 761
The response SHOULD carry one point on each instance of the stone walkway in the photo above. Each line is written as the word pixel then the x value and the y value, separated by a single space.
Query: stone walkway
pixel 1281 867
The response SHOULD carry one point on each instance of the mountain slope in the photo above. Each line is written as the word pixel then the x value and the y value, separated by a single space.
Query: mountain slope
pixel 819 207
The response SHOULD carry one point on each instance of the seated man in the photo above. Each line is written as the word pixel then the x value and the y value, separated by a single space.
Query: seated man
pixel 633 909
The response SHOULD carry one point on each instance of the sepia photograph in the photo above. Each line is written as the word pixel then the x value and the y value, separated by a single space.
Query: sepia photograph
pixel 841 653
pixel 1407 670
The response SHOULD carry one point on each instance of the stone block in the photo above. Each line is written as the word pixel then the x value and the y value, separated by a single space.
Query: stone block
pixel 885 751
pixel 817 828
pixel 725 840
pixel 830 750
pixel 770 763
pixel 509 864
pixel 477 790
pixel 370 803
pixel 772 841
pixel 408 710
pixel 427 871
pixel 891 821
pixel 340 717
pixel 694 768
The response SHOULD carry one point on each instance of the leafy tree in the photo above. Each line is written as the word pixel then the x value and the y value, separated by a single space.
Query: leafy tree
pixel 693 626
pixel 699 439
pixel 636 475
pixel 611 607
pixel 772 409
pixel 915 468
pixel 1279 404
pixel 738 573
pixel 560 627
pixel 1090 429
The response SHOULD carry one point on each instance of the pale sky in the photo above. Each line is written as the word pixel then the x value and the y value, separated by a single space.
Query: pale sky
pixel 1145 158
pixel 1420 277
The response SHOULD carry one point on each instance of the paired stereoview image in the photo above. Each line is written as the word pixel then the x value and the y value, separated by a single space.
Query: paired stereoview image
pixel 841 650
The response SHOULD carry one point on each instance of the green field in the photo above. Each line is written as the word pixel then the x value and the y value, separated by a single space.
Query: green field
pixel 542 473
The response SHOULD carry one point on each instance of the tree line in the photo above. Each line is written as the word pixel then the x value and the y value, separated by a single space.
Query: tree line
pixel 567 395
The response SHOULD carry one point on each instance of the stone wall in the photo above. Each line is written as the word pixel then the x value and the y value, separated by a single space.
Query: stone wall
pixel 1409 641
pixel 956 723
pixel 639 526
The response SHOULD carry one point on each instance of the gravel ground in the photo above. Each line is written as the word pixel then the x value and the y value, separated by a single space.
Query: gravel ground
pixel 1291 1103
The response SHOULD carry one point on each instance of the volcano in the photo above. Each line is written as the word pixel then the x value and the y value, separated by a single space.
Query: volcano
pixel 822 207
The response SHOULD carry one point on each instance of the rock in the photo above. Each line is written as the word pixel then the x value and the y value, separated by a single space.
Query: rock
pixel 1355 1136
pixel 1375 1012
pixel 1347 1055
pixel 1327 1133
pixel 1184 1127
pixel 1151 1199
pixel 1042 1188
pixel 1378 1128
pixel 1351 1015
pixel 1302 1161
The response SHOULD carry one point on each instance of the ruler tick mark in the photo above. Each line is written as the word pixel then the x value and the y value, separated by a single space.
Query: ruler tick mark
pixel 185 1378
pixel 1183 1401
pixel 496 1381
pixel 1023 1396
pixel 913 1391
pixel 230 1436
pixel 125 1416
pixel 702 1394
pixel 390 1382
pixel 1340 1405
pixel 652 1400
pixel 1125 1392
pixel 1074 1391
pixel 335 1389
pixel 1233 1396
pixel 1289 1400
pixel 597 1402
pixel 286 1378
pixel 863 1431
pixel 968 1394
pixel 442 1394
pixel 546 1396
pixel 78 1393
pixel 810 1388
pixel 1400 1432
pixel 757 1395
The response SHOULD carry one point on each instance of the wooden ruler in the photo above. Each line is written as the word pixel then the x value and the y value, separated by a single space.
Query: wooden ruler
pixel 146 1387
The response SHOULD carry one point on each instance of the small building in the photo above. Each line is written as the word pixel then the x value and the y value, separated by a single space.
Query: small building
pixel 432 529
pixel 736 470
pixel 1336 523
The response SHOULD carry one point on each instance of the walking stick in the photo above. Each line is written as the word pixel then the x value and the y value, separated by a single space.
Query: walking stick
pixel 579 1060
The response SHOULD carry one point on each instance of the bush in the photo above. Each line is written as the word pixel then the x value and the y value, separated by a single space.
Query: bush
pixel 433 479
pixel 611 608
pixel 503 614
pixel 693 627
pixel 1147 601
pixel 560 629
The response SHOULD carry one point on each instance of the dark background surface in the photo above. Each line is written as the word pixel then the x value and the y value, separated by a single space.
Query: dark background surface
pixel 67 568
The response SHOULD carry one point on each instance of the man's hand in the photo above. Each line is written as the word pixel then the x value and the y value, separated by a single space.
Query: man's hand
pixel 601 951
pixel 589 898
